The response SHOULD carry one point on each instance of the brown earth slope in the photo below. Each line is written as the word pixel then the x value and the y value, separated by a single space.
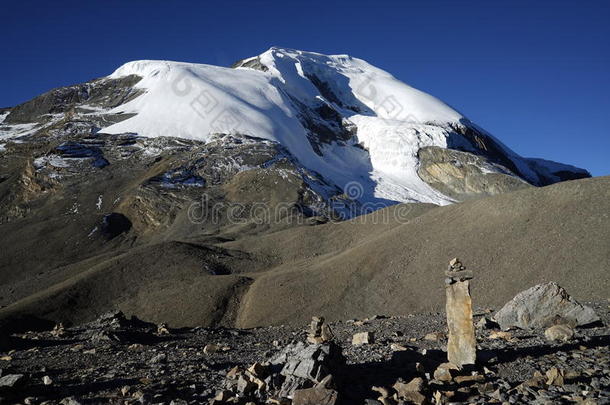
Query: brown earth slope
pixel 376 264
pixel 511 242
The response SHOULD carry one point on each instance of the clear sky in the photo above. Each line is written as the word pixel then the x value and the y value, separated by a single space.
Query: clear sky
pixel 533 73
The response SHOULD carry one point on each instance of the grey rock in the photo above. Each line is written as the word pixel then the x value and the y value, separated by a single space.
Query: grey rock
pixel 107 93
pixel 544 305
pixel 305 366
pixel 11 380
pixel 159 358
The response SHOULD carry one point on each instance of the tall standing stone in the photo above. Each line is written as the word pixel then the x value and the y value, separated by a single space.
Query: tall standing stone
pixel 461 345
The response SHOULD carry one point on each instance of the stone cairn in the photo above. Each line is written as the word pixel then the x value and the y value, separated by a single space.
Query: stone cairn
pixel 319 331
pixel 461 345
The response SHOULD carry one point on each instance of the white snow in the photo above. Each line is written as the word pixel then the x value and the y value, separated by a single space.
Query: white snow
pixel 17 130
pixel 74 209
pixel 94 230
pixel 98 204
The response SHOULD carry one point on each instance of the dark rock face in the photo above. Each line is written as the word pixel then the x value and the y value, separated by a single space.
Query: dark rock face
pixel 550 172
pixel 483 144
pixel 74 150
pixel 324 125
pixel 114 224
pixel 253 63
pixel 535 171
pixel 106 93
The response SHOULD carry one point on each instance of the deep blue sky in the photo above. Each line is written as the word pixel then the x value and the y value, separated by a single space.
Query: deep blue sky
pixel 533 73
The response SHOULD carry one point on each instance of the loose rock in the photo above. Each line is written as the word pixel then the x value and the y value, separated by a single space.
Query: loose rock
pixel 315 396
pixel 561 333
pixel 11 380
pixel 362 338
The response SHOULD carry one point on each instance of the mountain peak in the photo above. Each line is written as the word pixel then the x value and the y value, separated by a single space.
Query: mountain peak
pixel 335 115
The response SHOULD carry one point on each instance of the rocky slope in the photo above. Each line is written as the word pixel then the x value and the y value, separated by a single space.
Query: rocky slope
pixel 390 261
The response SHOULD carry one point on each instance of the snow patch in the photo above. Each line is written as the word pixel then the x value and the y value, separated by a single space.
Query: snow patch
pixel 51 160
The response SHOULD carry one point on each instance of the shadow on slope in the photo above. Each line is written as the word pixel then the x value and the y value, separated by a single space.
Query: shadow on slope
pixel 511 242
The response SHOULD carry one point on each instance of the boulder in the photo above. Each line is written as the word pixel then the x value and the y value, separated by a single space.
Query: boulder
pixel 542 306
pixel 415 385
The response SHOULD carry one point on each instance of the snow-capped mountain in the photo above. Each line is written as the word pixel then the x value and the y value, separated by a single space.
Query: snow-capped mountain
pixel 355 126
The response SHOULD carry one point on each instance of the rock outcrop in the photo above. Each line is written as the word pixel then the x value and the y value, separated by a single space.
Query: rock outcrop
pixel 463 175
